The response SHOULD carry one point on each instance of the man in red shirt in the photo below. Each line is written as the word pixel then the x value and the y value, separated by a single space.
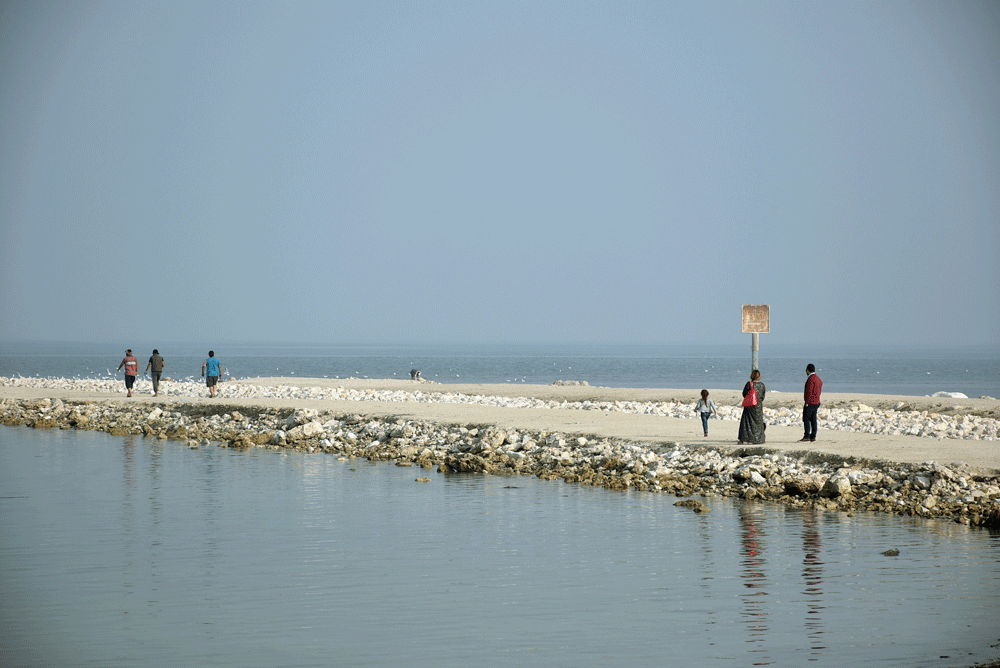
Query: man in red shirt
pixel 811 395
pixel 131 365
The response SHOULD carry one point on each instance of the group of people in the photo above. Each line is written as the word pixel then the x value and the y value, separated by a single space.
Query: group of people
pixel 752 425
pixel 154 368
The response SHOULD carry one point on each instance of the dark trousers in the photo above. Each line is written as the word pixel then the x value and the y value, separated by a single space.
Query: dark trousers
pixel 809 420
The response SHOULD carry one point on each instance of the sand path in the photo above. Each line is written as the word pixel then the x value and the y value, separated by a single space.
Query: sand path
pixel 645 428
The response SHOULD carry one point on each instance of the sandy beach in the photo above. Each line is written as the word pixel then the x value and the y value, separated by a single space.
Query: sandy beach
pixel 571 420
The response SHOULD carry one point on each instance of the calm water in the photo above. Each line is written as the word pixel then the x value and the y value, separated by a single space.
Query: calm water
pixel 974 372
pixel 136 552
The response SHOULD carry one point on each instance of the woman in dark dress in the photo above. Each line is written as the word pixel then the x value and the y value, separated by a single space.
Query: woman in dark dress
pixel 752 422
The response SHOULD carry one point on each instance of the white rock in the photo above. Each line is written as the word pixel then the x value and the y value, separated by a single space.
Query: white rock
pixel 859 477
pixel 835 486
pixel 301 416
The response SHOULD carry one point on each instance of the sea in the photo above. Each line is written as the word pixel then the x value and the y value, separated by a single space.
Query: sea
pixel 124 552
pixel 972 371
pixel 137 552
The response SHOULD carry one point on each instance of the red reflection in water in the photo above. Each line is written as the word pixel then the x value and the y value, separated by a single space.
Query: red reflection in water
pixel 753 562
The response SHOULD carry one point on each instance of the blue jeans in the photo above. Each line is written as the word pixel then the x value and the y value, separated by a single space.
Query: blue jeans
pixel 704 420
pixel 809 421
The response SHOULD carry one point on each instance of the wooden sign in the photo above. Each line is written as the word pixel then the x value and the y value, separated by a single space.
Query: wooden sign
pixel 756 318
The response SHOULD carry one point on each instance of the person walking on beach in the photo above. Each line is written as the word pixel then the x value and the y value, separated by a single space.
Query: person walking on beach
pixel 156 363
pixel 211 365
pixel 705 408
pixel 131 365
pixel 752 421
pixel 814 386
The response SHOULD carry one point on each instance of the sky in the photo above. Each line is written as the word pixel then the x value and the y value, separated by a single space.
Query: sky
pixel 503 172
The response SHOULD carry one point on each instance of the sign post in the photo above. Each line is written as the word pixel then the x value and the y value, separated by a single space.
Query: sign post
pixel 756 320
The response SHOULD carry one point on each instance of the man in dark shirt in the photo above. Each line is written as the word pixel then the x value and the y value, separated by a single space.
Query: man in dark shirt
pixel 156 363
pixel 814 386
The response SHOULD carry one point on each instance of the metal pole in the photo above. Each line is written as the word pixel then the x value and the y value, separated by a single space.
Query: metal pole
pixel 756 347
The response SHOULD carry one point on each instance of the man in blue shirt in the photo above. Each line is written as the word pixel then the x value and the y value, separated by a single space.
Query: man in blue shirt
pixel 211 365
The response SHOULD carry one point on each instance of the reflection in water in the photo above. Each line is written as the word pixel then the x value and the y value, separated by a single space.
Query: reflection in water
pixel 812 574
pixel 131 525
pixel 751 551
pixel 708 565
pixel 214 556
pixel 142 513
pixel 708 583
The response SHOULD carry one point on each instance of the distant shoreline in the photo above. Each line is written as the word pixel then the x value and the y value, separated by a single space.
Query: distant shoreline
pixel 909 371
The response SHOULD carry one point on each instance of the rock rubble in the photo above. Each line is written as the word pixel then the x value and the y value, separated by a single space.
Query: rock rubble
pixel 808 481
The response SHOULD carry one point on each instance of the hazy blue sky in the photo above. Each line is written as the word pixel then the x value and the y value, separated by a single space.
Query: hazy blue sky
pixel 437 172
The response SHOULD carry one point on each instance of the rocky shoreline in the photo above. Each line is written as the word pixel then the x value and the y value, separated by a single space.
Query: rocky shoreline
pixel 802 480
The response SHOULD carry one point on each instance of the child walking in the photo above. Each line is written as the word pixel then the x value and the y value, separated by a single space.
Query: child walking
pixel 705 408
